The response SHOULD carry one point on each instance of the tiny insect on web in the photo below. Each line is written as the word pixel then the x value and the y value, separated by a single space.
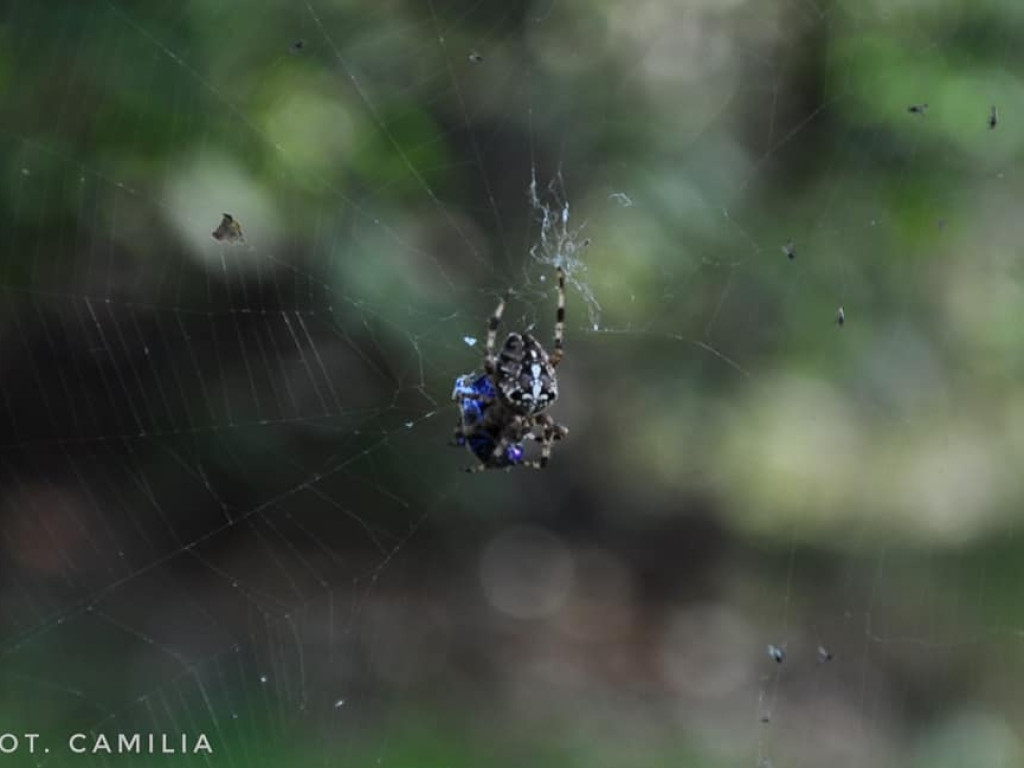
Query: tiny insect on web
pixel 507 404
pixel 229 230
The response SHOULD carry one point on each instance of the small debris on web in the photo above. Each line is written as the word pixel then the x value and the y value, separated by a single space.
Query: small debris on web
pixel 339 704
pixel 470 341
pixel 917 109
pixel 840 317
pixel 790 250
pixel 26 172
pixel 229 230
pixel 993 118
pixel 263 678
pixel 776 654
pixel 622 199
pixel 297 46
pixel 824 655
pixel 766 718
pixel 475 58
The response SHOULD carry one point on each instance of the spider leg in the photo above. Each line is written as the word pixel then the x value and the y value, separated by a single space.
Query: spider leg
pixel 492 335
pixel 546 438
pixel 499 449
pixel 558 432
pixel 511 432
pixel 558 350
pixel 514 430
pixel 545 455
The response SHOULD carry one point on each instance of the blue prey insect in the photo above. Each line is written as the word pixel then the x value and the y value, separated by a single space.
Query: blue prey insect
pixel 473 393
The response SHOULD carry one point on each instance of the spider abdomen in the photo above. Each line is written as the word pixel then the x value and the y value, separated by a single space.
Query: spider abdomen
pixel 527 379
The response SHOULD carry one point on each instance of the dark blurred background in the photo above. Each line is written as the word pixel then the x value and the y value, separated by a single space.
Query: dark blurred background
pixel 226 501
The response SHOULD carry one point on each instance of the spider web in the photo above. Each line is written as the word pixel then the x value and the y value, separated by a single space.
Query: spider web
pixel 227 503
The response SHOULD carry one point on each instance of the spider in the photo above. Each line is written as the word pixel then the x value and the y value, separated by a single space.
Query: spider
pixel 507 404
